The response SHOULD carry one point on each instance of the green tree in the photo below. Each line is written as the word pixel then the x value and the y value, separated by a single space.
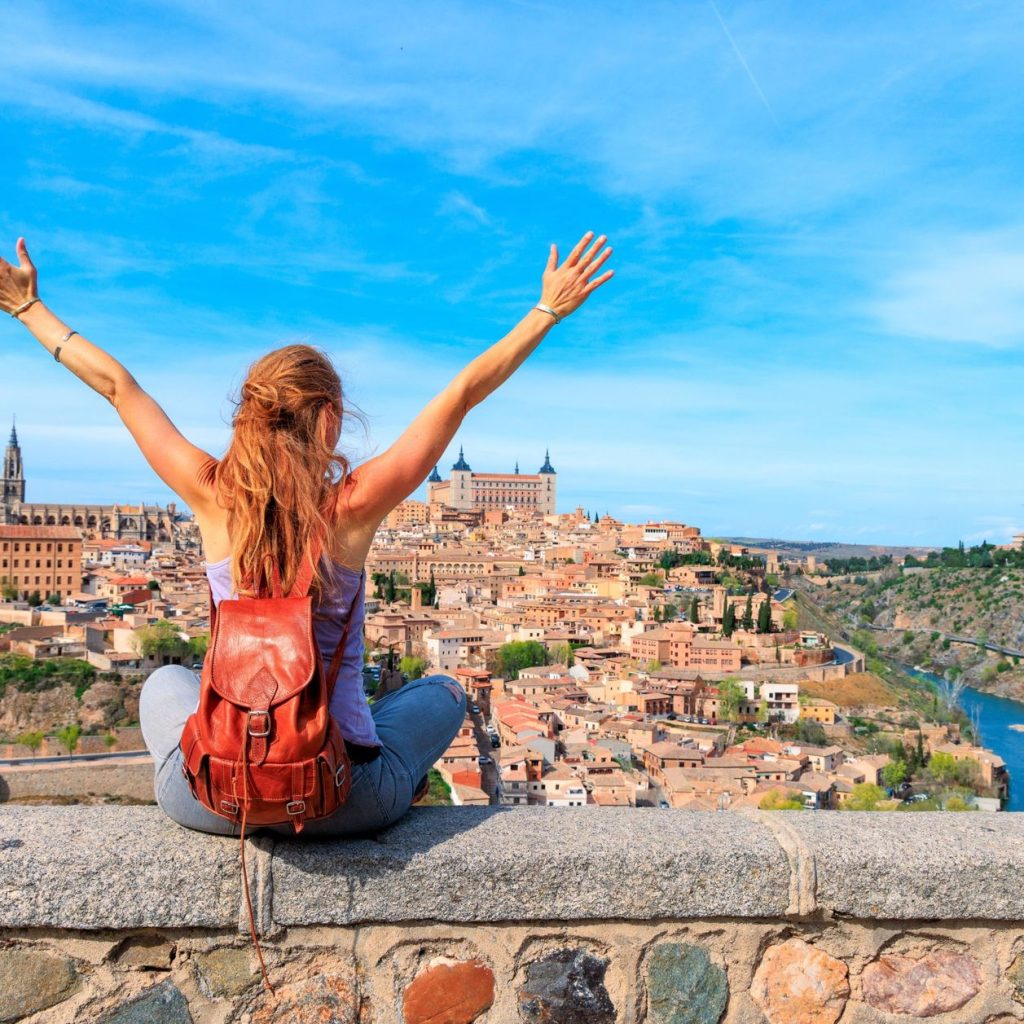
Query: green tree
pixel 865 797
pixel 790 619
pixel 53 599
pixel 729 619
pixel 199 645
pixel 110 740
pixel 153 584
pixel 894 774
pixel 652 579
pixel 731 695
pixel 513 657
pixel 35 599
pixel 810 732
pixel 942 767
pixel 764 617
pixel 778 800
pixel 159 638
pixel 522 571
pixel 412 667
pixel 748 613
pixel 68 737
pixel 33 739
pixel 561 654
pixel 694 615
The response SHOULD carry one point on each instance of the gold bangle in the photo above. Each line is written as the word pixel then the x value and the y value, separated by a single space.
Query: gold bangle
pixel 21 309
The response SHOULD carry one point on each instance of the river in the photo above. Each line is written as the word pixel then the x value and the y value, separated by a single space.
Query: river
pixel 995 716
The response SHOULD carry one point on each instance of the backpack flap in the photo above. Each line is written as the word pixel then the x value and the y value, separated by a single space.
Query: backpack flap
pixel 262 651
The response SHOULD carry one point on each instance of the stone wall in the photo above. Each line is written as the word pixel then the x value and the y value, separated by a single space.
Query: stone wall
pixel 613 916
pixel 130 780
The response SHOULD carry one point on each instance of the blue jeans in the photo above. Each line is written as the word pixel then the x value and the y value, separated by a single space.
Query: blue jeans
pixel 415 724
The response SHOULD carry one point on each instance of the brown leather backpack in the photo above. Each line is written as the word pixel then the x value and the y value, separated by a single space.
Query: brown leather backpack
pixel 263 748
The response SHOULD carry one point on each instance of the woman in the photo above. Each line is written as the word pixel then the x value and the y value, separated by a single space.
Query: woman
pixel 261 503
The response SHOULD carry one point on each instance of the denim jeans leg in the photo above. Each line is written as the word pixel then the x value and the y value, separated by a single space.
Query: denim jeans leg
pixel 168 697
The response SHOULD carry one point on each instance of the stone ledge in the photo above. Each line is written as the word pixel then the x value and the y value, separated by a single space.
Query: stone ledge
pixel 130 867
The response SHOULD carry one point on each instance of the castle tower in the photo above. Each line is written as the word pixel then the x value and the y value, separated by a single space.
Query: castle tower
pixel 547 503
pixel 13 484
pixel 460 492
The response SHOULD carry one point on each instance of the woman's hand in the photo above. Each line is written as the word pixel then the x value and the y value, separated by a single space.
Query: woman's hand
pixel 17 284
pixel 565 288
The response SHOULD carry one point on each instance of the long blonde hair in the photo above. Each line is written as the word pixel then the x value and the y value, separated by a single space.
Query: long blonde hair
pixel 279 476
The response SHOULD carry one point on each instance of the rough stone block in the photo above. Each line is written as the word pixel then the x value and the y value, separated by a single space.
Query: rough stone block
pixel 448 991
pixel 566 986
pixel 940 981
pixel 797 983
pixel 225 972
pixel 684 986
pixel 533 863
pixel 131 868
pixel 31 980
pixel 161 1004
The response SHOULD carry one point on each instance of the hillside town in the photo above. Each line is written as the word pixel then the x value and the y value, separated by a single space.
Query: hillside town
pixel 607 663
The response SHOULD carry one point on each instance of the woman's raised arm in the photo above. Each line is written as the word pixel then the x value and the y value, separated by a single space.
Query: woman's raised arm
pixel 178 462
pixel 379 484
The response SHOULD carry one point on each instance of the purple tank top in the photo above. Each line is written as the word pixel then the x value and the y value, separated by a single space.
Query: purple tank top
pixel 343 595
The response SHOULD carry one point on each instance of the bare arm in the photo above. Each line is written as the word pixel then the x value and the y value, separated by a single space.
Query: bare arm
pixel 381 483
pixel 175 460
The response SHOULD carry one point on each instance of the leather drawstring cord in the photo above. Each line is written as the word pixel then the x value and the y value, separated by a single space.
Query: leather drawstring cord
pixel 245 873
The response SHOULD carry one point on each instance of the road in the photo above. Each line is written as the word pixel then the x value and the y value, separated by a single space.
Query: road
pixel 952 637
pixel 64 759
pixel 488 772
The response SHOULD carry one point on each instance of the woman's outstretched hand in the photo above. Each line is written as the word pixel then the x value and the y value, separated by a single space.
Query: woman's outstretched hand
pixel 17 284
pixel 565 288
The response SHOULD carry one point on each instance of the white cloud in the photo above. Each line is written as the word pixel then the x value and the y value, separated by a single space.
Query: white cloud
pixel 964 288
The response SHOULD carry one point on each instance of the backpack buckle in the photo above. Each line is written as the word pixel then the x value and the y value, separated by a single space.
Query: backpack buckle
pixel 227 805
pixel 295 806
pixel 266 723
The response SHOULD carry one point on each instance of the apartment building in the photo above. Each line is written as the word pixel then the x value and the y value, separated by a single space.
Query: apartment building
pixel 47 559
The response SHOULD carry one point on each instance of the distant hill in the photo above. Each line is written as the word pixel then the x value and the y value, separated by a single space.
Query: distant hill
pixel 823 549
pixel 911 616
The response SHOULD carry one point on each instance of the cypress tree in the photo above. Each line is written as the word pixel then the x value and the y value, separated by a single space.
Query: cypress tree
pixel 694 609
pixel 729 618
pixel 764 617
pixel 748 613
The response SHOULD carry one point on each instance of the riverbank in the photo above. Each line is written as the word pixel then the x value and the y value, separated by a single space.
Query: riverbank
pixel 997 718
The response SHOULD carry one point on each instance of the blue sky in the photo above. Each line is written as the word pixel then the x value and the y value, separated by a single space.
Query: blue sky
pixel 816 327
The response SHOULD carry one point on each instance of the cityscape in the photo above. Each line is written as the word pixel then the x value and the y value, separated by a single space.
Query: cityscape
pixel 608 664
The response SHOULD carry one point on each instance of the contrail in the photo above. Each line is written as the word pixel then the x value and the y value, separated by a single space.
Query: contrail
pixel 746 66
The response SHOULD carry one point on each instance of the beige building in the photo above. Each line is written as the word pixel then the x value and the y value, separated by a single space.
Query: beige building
pixel 464 489
pixel 43 558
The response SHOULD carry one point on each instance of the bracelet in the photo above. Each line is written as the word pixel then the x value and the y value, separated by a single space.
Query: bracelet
pixel 21 309
pixel 548 309
pixel 63 341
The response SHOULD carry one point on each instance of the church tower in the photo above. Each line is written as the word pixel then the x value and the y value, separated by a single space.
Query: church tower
pixel 13 483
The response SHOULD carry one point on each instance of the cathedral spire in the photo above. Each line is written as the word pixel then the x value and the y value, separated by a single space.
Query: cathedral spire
pixel 435 477
pixel 462 464
pixel 547 467
pixel 517 467
pixel 14 435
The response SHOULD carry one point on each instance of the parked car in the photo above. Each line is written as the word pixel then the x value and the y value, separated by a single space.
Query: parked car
pixel 475 709
pixel 484 759
pixel 495 741
pixel 663 804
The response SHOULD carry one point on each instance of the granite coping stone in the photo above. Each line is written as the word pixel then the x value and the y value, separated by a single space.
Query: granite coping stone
pixel 131 867
pixel 928 864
